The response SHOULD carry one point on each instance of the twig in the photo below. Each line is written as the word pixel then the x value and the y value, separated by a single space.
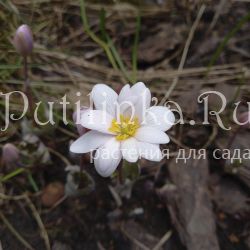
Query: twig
pixel 60 156
pixel 68 133
pixel 212 137
pixel 35 213
pixel 135 241
pixel 99 245
pixel 15 233
pixel 66 67
pixel 15 198
pixel 162 241
pixel 38 219
pixel 116 196
pixel 217 14
pixel 184 54
pixel 58 203
pixel 177 142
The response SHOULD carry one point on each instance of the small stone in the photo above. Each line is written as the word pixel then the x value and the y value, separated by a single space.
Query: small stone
pixel 52 193
pixel 233 238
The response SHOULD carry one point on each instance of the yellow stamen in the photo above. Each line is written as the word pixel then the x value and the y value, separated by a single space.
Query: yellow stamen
pixel 124 128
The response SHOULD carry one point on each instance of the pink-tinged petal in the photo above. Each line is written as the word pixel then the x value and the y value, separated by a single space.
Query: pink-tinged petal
pixel 77 120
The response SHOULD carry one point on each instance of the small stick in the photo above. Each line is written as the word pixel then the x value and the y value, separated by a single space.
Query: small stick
pixel 14 232
pixel 60 156
pixel 184 54
pixel 14 198
pixel 58 203
pixel 217 14
pixel 38 219
pixel 35 213
pixel 211 137
pixel 162 241
pixel 139 244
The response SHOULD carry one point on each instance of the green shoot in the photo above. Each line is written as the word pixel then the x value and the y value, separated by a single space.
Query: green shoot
pixel 220 48
pixel 12 174
pixel 32 182
pixel 96 39
pixel 135 47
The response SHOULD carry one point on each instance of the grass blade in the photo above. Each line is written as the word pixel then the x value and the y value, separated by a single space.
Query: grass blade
pixel 96 39
pixel 111 45
pixel 12 174
pixel 220 48
pixel 135 47
pixel 32 182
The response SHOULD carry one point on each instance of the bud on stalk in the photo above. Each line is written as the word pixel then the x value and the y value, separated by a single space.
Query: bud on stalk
pixel 10 156
pixel 23 40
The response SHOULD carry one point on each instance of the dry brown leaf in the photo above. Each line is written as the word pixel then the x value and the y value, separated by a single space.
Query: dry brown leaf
pixel 165 39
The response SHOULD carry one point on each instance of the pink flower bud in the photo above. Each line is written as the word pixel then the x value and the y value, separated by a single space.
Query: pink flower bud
pixel 244 119
pixel 23 40
pixel 10 155
pixel 76 118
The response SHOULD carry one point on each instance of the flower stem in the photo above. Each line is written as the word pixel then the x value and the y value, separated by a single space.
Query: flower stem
pixel 120 173
pixel 26 74
pixel 27 88
pixel 82 162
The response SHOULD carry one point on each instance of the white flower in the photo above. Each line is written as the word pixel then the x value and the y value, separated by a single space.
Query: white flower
pixel 123 126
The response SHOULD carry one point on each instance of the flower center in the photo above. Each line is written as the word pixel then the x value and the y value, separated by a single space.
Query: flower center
pixel 124 128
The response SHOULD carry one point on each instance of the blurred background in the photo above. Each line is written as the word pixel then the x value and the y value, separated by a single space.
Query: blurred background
pixel 179 49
